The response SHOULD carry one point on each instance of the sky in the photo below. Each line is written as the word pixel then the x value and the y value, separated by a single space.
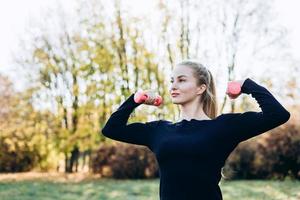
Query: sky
pixel 15 15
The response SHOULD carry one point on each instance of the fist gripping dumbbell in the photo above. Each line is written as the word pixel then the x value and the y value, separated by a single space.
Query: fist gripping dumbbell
pixel 233 89
pixel 148 97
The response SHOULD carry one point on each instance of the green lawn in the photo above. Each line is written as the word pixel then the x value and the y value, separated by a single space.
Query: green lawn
pixel 103 189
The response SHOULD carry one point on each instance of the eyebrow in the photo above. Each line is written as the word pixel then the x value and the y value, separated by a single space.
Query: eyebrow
pixel 180 76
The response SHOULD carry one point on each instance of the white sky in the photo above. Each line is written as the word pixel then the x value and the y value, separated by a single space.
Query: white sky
pixel 15 15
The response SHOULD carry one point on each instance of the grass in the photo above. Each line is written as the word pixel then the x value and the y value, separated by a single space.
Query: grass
pixel 109 189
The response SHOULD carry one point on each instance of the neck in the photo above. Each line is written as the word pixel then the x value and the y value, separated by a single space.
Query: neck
pixel 192 110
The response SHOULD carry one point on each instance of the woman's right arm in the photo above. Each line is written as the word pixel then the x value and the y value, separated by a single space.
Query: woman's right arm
pixel 135 133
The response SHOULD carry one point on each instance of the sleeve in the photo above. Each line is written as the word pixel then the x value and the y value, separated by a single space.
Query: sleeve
pixel 117 128
pixel 249 124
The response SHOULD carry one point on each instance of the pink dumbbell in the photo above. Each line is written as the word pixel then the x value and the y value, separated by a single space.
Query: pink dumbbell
pixel 233 89
pixel 148 97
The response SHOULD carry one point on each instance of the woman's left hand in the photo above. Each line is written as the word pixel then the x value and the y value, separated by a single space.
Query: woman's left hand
pixel 234 88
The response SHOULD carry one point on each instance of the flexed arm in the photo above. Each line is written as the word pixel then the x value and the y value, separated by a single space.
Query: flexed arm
pixel 135 133
pixel 249 124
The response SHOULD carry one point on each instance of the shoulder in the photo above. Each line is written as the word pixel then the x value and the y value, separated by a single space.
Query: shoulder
pixel 228 116
pixel 241 117
pixel 153 124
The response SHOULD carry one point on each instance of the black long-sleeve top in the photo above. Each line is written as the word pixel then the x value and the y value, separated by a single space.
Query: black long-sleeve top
pixel 191 153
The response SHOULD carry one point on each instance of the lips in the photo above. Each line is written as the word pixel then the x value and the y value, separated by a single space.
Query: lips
pixel 174 94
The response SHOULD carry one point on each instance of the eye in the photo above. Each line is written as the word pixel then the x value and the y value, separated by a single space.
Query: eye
pixel 181 80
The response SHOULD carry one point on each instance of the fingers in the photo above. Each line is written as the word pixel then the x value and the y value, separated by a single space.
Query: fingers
pixel 233 89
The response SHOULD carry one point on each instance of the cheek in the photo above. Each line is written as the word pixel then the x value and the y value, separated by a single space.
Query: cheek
pixel 189 91
pixel 188 88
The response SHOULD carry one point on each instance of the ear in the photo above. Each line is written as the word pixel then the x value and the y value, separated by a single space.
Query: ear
pixel 201 89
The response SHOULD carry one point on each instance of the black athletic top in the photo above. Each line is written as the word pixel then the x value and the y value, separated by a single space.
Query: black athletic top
pixel 191 153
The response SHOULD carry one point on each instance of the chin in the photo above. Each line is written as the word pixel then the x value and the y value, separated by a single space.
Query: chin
pixel 175 101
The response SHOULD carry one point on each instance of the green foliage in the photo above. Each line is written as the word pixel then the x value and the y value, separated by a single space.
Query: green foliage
pixel 26 135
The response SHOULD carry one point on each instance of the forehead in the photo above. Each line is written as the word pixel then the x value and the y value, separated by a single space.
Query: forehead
pixel 181 71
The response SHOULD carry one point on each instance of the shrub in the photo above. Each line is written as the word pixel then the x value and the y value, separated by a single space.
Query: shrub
pixel 240 163
pixel 275 155
pixel 123 161
pixel 282 152
pixel 17 160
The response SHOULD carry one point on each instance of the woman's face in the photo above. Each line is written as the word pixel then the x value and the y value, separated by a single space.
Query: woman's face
pixel 183 85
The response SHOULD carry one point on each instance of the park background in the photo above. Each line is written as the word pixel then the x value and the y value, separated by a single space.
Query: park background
pixel 65 66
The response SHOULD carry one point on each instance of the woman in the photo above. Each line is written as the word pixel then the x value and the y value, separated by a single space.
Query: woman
pixel 192 151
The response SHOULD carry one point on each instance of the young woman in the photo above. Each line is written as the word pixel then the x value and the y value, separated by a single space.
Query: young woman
pixel 192 151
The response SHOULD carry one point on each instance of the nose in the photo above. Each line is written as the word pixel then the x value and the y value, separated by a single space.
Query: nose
pixel 173 87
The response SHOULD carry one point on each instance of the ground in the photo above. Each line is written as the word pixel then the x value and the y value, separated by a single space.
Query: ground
pixel 60 186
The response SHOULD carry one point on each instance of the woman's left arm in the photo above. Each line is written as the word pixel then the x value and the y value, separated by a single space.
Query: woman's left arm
pixel 245 125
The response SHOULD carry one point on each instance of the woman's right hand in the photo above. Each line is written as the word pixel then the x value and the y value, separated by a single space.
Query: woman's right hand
pixel 148 97
pixel 151 97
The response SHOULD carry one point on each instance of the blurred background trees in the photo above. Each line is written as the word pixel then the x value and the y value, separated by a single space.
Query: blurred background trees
pixel 80 68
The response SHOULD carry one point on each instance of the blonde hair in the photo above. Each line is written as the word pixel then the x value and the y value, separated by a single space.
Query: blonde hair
pixel 204 76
